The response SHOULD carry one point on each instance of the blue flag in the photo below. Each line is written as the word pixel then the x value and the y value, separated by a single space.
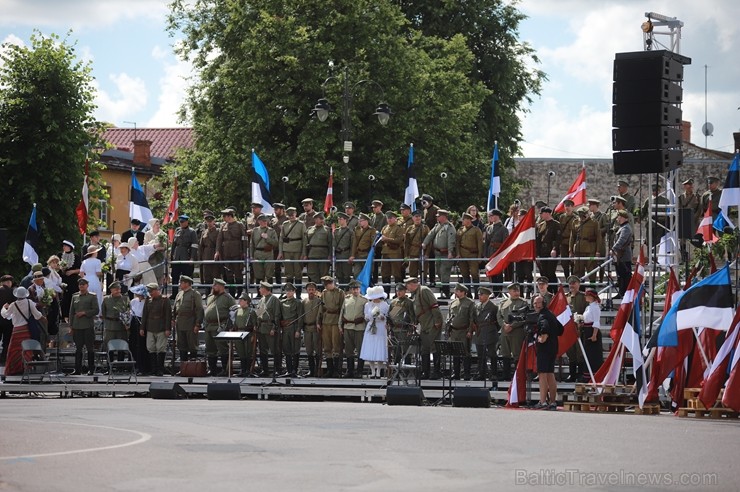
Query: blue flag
pixel 412 188
pixel 364 276
pixel 494 187
pixel 138 206
pixel 705 304
pixel 261 185
pixel 30 254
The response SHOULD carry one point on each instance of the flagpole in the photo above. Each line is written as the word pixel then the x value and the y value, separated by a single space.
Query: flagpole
pixel 701 347
pixel 588 364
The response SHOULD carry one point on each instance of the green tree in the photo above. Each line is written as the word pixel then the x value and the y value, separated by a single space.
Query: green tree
pixel 46 131
pixel 260 68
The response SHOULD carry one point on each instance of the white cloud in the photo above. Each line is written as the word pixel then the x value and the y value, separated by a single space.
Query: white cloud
pixel 159 53
pixel 131 97
pixel 172 91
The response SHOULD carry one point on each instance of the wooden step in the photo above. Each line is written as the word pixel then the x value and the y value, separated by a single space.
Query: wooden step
pixel 712 413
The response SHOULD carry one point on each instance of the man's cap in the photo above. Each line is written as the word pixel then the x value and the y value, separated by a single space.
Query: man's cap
pixel 263 217
pixel 377 203
pixel 623 213
pixel 69 243
pixel 546 210
pixel 319 215
pixel 227 211
pixel 219 281
pixel 287 287
pixel 495 211
pixel 364 217
pixel 573 278
pixel 38 274
pixel 620 198
pixel 712 179
pixel 400 287
pixel 327 279
pixel 582 211
pixel 244 296
pixel 593 201
pixel 82 281
pixel 484 291
pixel 411 280
pixel 404 207
pixel 185 278
pixel 543 280
pixel 467 216
pixel 622 182
pixel 183 217
pixel 416 212
pixel 291 210
pixel 278 205
pixel 568 203
pixel 266 285
pixel 513 286
pixel 208 215
pixel 461 287
pixel 522 212
pixel 94 233
pixel 257 205
pixel 311 284
pixel 115 285
pixel 135 221
pixel 540 204
pixel 428 198
pixel 442 211
pixel 306 200
pixel 354 284
pixel 349 205
pixel 37 267
pixel 152 286
pixel 342 215
pixel 688 182
pixel 7 278
pixel 391 214
pixel 656 187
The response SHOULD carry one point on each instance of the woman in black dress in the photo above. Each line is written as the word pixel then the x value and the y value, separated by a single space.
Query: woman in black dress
pixel 547 350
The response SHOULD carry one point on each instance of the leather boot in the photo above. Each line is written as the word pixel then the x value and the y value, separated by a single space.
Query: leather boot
pixel 160 362
pixel 350 368
pixel 265 365
pixel 426 361
pixel 153 363
pixel 360 367
pixel 296 366
pixel 437 364
pixel 288 365
pixel 337 367
pixel 224 365
pixel 329 368
pixel 466 368
pixel 311 366
pixel 494 367
pixel 277 363
pixel 90 363
pixel 244 367
pixel 184 356
pixel 212 366
pixel 507 369
pixel 456 367
pixel 78 363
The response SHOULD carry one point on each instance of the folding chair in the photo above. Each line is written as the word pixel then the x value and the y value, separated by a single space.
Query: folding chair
pixel 120 370
pixel 34 357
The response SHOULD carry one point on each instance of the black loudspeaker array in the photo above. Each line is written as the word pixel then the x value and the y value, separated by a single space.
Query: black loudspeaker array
pixel 404 395
pixel 471 397
pixel 166 391
pixel 646 114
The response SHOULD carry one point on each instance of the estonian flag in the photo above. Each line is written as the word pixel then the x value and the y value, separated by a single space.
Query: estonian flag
pixel 138 206
pixel 494 188
pixel 364 275
pixel 412 189
pixel 730 196
pixel 707 303
pixel 30 255
pixel 261 185
pixel 631 340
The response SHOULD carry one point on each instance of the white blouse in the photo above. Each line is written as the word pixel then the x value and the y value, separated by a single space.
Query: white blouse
pixel 18 309
pixel 592 314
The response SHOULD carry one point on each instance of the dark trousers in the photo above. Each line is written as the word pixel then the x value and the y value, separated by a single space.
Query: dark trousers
pixel 624 274
pixel 6 330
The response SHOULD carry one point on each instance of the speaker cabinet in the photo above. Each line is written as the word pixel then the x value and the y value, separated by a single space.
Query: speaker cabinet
pixel 471 397
pixel 647 161
pixel 224 391
pixel 404 395
pixel 686 223
pixel 167 391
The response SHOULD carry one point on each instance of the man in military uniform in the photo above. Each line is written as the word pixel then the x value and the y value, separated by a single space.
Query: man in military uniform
pixel 363 241
pixel 629 200
pixel 602 220
pixel 690 200
pixel 318 247
pixel 542 284
pixel 262 245
pixel 293 247
pixel 621 251
pixel 567 220
pixel 512 332
pixel 155 326
pixel 343 244
pixel 712 195
pixel 430 220
pixel 311 307
pixel 620 204
pixel 461 326
pixel 577 302
pixel 328 326
pixel 401 321
pixel 291 322
pixel 413 240
pixel 430 321
pixel 308 216
pixel 82 312
pixel 184 248
pixel 187 318
pixel 392 240
pixel 110 310
pixel 469 243
pixel 268 329
pixel 585 241
pixel 647 213
pixel 231 244
pixel 215 319
pixel 442 239
pixel 352 220
pixel 486 322
pixel 207 249
pixel 245 320
pixel 277 224
pixel 250 221
pixel 547 242
pixel 494 236
pixel 377 222
pixel 406 218
pixel 352 328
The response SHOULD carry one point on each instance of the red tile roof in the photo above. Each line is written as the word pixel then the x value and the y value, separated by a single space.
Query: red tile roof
pixel 165 141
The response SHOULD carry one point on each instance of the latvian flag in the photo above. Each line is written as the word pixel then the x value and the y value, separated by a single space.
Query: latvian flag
pixel 412 188
pixel 173 211
pixel 261 185
pixel 329 200
pixel 560 308
pixel 731 398
pixel 576 192
pixel 527 362
pixel 705 226
pixel 518 246
pixel 83 207
pixel 30 254
pixel 138 207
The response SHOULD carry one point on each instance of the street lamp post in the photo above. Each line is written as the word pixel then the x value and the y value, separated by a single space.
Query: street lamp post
pixel 323 108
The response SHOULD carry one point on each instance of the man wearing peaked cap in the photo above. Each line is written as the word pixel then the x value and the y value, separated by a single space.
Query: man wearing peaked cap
pixel 292 244
pixel 215 318
pixel 622 187
pixel 512 330
pixel 207 247
pixel 261 249
pixel 430 220
pixel 363 241
pixel 378 222
pixel 291 321
pixel 712 195
pixel 184 248
pixel 352 326
pixel 443 239
pixel 405 219
pixel 493 238
pixel 83 309
pixel 567 221
pixel 462 326
pixel 585 241
pixel 602 220
pixel 469 242
pixel 318 248
pixel 547 241
pixel 648 211
pixel 328 324
pixel 308 216
pixel 71 261
pixel 110 310
pixel 231 244
pixel 187 316
pixel 342 243
pixel 352 221
pixel 311 308
pixel 413 240
pixel 392 237
pixel 690 200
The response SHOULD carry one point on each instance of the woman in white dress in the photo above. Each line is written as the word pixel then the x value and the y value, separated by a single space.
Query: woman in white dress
pixel 142 254
pixel 92 271
pixel 591 331
pixel 375 342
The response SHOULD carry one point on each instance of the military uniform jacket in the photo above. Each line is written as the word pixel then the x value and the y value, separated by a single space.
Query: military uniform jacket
pixel 615 225
pixel 269 313
pixel 585 238
pixel 506 308
pixel 259 243
pixel 318 241
pixel 363 242
pixel 207 243
pixel 291 314
pixel 245 319
pixel 494 237
pixel 393 246
pixel 576 302
pixel 308 219
pixel 344 238
pixel 405 222
pixel 277 224
pixel 714 196
pixel 111 309
pixel 547 297
pixel 88 304
pixel 353 222
pixel 378 221
pixel 157 317
pixel 353 313
pixel 311 308
pixel 692 202
pixel 184 245
pixel 462 314
pixel 631 203
pixel 426 309
pixel 414 238
pixel 548 237
pixel 623 243
pixel 401 313
pixel 217 311
pixel 293 238
pixel 469 242
pixel 187 310
pixel 567 221
pixel 333 301
pixel 231 241
pixel 442 238
pixel 486 319
pixel 603 222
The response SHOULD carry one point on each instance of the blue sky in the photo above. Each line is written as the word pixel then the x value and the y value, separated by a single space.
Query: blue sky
pixel 140 80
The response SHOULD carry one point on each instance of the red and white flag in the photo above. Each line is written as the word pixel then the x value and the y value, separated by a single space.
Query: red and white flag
pixel 527 362
pixel 329 200
pixel 560 308
pixel 83 207
pixel 172 211
pixel 576 192
pixel 716 378
pixel 705 226
pixel 731 398
pixel 518 246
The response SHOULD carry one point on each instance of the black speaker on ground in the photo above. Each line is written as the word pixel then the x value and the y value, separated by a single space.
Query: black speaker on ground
pixel 224 391
pixel 471 397
pixel 404 395
pixel 686 224
pixel 167 391
pixel 3 241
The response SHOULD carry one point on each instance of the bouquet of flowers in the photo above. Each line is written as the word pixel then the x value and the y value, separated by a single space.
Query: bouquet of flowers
pixel 48 297
pixel 63 265
pixel 125 317
pixel 578 318
pixel 375 312
pixel 161 239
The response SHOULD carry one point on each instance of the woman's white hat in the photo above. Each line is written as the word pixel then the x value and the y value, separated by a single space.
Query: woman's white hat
pixel 376 293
